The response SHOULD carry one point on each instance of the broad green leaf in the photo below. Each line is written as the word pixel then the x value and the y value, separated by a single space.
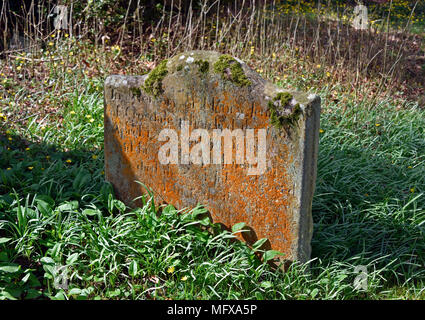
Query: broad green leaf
pixel 10 267
pixel 238 226
pixel 205 222
pixel 26 277
pixel 91 212
pixel 259 243
pixel 59 296
pixel 74 291
pixel 132 269
pixel 4 240
pixel 68 206
pixel 44 208
pixel 3 256
pixel 271 254
pixel 314 292
pixel 119 205
pixel 32 294
pixel 47 260
pixel 72 258
pixel 82 178
pixel 266 284
pixel 7 295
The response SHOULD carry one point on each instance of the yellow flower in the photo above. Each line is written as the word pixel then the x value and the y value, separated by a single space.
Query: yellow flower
pixel 328 74
pixel 274 55
pixel 409 167
pixel 318 66
pixel 66 35
pixel 47 157
pixel 51 43
pixel 184 278
pixel 71 53
pixel 27 149
pixel 72 112
pixel 10 138
pixel 88 116
pixel 377 124
pixel 412 190
pixel 321 130
pixel 18 68
pixel 30 168
pixel 103 172
pixel 170 269
pixel 68 161
pixel 9 168
pixel 91 120
pixel 94 157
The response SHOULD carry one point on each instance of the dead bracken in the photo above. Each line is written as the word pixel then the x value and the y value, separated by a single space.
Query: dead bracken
pixel 282 112
pixel 153 83
pixel 230 69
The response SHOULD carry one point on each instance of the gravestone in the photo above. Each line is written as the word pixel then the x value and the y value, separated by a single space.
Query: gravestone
pixel 203 127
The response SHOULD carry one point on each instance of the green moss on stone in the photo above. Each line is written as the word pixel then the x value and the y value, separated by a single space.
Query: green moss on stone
pixel 153 83
pixel 230 69
pixel 203 66
pixel 281 112
pixel 136 91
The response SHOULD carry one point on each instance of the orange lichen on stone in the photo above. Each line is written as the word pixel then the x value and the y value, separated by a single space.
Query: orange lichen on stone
pixel 275 204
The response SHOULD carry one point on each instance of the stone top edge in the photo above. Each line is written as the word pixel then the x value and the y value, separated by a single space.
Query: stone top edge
pixel 262 86
pixel 127 81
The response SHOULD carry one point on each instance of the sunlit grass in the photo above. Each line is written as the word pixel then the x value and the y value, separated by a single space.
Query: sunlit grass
pixel 57 209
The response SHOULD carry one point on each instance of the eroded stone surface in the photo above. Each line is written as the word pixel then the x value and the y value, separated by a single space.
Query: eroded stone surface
pixel 274 205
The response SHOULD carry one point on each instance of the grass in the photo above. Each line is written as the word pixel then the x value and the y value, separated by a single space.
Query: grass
pixel 56 209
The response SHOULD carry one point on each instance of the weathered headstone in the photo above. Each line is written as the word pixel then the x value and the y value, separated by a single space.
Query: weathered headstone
pixel 165 130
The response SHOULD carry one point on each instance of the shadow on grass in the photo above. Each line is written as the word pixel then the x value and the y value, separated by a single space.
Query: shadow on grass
pixel 29 167
pixel 363 208
pixel 369 210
